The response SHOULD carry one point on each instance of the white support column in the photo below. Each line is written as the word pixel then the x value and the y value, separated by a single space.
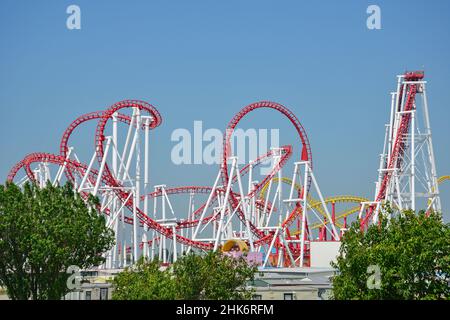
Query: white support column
pixel 86 174
pixel 137 196
pixel 102 167
pixel 244 208
pixel 304 213
pixel 145 245
pixel 124 252
pixel 291 258
pixel 269 250
pixel 394 103
pixel 249 190
pixel 227 194
pixel 163 238
pixel 62 168
pixel 174 241
pixel 383 158
pixel 127 141
pixel 294 176
pixel 146 176
pixel 152 257
pixel 182 244
pixel 115 201
pixel 135 222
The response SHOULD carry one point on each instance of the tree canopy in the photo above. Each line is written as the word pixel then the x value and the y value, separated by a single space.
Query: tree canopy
pixel 43 231
pixel 210 276
pixel 408 255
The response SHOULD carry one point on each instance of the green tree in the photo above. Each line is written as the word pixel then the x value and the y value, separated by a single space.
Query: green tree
pixel 213 276
pixel 411 253
pixel 43 231
pixel 210 276
pixel 144 281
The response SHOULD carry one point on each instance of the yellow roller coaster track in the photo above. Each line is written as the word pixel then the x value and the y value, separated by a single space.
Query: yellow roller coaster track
pixel 442 179
pixel 439 181
pixel 317 204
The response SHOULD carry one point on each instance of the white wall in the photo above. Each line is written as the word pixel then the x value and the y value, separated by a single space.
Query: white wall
pixel 323 252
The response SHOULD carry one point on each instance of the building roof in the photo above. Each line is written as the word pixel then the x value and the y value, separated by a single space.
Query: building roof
pixel 298 277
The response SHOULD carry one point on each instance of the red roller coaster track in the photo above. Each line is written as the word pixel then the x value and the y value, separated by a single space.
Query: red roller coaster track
pixel 399 144
pixel 107 178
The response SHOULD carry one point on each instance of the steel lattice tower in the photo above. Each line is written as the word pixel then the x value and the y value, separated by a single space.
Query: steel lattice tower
pixel 407 177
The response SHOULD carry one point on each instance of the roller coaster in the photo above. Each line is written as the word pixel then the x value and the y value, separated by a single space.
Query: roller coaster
pixel 278 218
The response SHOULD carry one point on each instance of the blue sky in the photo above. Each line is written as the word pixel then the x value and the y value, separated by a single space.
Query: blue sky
pixel 204 60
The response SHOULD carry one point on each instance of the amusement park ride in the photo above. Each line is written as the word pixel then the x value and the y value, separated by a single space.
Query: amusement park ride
pixel 278 218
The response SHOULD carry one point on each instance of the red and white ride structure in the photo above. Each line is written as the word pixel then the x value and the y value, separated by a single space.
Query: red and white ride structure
pixel 145 220
pixel 279 218
pixel 407 175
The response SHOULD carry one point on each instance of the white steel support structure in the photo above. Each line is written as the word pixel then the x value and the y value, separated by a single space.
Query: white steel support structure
pixel 266 219
pixel 223 228
pixel 308 175
pixel 413 183
pixel 126 167
pixel 243 209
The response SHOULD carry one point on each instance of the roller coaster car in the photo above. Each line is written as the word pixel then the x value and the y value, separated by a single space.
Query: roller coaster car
pixel 414 75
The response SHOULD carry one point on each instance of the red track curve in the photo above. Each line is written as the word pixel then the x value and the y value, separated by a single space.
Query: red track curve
pixel 108 179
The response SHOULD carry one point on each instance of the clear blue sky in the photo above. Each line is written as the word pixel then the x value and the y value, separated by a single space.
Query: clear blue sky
pixel 204 60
